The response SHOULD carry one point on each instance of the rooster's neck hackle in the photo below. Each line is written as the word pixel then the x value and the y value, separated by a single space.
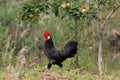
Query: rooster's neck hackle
pixel 49 43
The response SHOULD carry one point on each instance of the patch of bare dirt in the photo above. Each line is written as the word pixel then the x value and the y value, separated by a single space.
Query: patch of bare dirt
pixel 52 76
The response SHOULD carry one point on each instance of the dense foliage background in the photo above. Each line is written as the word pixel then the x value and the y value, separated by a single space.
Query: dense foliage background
pixel 22 23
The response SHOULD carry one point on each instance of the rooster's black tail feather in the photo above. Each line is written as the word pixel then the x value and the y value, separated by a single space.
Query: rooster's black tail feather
pixel 70 49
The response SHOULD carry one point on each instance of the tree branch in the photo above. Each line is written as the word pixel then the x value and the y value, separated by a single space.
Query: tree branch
pixel 114 9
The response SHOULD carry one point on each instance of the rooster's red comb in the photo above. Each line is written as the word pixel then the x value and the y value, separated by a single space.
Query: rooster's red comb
pixel 47 32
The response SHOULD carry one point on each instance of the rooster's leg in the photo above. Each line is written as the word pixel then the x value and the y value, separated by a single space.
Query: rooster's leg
pixel 49 65
pixel 60 65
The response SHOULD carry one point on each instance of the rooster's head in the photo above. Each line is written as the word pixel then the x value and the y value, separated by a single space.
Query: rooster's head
pixel 47 35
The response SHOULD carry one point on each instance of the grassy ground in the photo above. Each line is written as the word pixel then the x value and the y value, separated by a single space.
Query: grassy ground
pixel 55 73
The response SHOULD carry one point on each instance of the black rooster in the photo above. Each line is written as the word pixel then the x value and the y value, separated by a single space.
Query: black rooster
pixel 58 56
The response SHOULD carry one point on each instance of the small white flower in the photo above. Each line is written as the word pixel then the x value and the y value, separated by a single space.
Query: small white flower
pixel 46 66
pixel 95 5
pixel 68 4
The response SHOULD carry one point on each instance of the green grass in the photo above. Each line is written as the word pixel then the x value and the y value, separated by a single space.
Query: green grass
pixel 40 73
